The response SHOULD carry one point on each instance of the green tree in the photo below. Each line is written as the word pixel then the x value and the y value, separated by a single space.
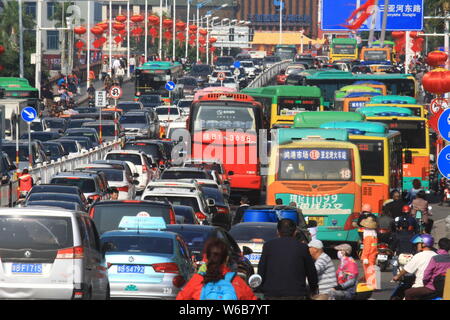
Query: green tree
pixel 435 8
pixel 9 38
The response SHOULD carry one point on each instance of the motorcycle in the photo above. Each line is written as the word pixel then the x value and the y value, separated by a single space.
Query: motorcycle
pixel 446 195
pixel 407 281
pixel 384 256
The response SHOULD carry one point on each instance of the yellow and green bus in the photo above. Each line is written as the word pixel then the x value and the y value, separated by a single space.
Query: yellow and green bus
pixel 343 49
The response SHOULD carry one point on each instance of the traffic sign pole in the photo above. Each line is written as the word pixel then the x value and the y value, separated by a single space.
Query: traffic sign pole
pixel 30 156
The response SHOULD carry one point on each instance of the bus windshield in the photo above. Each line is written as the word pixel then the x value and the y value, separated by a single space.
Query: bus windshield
pixel 219 118
pixel 375 55
pixel 315 165
pixel 413 132
pixel 344 48
pixel 294 105
pixel 372 159
pixel 151 81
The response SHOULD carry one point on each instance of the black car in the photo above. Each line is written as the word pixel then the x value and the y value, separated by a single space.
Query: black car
pixel 54 150
pixel 189 84
pixel 55 197
pixel 187 213
pixel 55 188
pixel 41 135
pixel 200 72
pixel 55 124
pixel 59 204
pixel 222 217
pixel 224 62
pixel 127 106
pixel 150 100
pixel 196 236
pixel 85 142
pixel 71 146
pixel 91 133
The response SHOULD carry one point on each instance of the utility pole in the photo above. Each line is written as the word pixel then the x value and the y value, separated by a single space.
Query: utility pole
pixel 384 23
pixel 38 47
pixel 372 24
pixel 21 73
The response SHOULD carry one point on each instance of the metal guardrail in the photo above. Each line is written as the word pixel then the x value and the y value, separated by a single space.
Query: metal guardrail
pixel 43 173
pixel 267 75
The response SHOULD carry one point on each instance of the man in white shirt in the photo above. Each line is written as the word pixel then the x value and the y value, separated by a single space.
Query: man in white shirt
pixel 420 261
pixel 132 64
pixel 116 65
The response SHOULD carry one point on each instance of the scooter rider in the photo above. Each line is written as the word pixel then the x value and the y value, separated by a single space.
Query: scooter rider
pixel 401 241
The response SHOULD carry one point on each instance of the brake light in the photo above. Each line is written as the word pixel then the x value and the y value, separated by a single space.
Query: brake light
pixel 168 267
pixel 382 246
pixel 161 162
pixel 172 216
pixel 91 212
pixel 257 240
pixel 94 197
pixel 200 216
pixel 124 189
pixel 222 210
pixel 144 168
pixel 71 253
pixel 178 281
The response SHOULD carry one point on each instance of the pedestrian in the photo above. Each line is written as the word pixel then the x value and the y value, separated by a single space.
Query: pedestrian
pixel 370 249
pixel 417 186
pixel 114 193
pixel 419 261
pixel 326 273
pixel 115 66
pixel 346 274
pixel 25 182
pixel 132 64
pixel 393 208
pixel 217 282
pixel 105 69
pixel 434 273
pixel 421 204
pixel 120 73
pixel 239 214
pixel 366 210
pixel 285 264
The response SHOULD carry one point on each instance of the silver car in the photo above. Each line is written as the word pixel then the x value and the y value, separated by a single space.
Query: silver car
pixel 50 253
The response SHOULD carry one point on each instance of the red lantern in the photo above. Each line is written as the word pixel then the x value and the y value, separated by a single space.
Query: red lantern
pixel 181 36
pixel 191 42
pixel 137 31
pixel 180 26
pixel 154 20
pixel 167 23
pixel 97 43
pixel 153 32
pixel 193 28
pixel 437 81
pixel 103 25
pixel 212 49
pixel 436 58
pixel 102 40
pixel 398 34
pixel 121 18
pixel 2 49
pixel 118 26
pixel 118 39
pixel 417 44
pixel 212 40
pixel 79 30
pixel 202 40
pixel 203 32
pixel 168 35
pixel 97 30
pixel 413 34
pixel 202 49
pixel 79 44
pixel 137 18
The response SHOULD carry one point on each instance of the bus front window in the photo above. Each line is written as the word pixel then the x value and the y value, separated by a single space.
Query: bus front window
pixel 413 132
pixel 344 49
pixel 293 105
pixel 372 157
pixel 220 118
pixel 315 165
pixel 375 55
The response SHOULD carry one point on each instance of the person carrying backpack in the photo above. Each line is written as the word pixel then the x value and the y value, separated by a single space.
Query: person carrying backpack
pixel 217 282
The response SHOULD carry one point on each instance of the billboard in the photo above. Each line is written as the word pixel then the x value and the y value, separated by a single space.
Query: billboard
pixel 403 15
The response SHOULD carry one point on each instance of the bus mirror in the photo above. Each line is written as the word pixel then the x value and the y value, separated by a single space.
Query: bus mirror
pixel 408 156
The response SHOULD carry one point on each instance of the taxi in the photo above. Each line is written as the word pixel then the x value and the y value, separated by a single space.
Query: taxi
pixel 144 262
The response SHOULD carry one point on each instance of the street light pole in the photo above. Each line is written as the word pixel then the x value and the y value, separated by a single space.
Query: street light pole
pixel 207 39
pixel 281 21
pixel 38 46
pixel 20 40
pixel 146 30
pixel 173 28
pixel 160 29
pixel 88 44
pixel 110 36
pixel 128 39
pixel 187 29
pixel 198 27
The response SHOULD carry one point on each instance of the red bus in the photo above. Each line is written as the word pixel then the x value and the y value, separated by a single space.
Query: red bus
pixel 225 126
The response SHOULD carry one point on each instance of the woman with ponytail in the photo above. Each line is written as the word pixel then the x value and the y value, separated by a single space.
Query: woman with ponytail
pixel 216 282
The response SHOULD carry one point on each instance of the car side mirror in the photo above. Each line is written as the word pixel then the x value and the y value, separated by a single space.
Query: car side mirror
pixel 408 156
pixel 211 202
pixel 246 250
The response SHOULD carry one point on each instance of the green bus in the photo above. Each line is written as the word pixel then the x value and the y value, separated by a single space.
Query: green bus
pixel 282 103
pixel 343 49
pixel 18 88
pixel 152 77
pixel 332 80
pixel 285 52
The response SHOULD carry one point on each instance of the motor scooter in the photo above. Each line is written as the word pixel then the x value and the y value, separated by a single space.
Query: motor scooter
pixel 384 256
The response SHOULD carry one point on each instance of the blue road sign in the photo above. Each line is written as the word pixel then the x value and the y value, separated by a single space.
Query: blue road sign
pixel 444 124
pixel 237 64
pixel 170 85
pixel 403 15
pixel 443 162
pixel 28 114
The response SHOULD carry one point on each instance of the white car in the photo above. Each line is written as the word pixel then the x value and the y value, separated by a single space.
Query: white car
pixel 167 114
pixel 144 164
pixel 213 78
pixel 174 126
pixel 180 193
pixel 249 67
pixel 231 83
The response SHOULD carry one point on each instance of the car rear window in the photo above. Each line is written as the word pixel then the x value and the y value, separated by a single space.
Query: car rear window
pixel 133 158
pixel 85 185
pixel 194 239
pixel 140 244
pixel 177 201
pixel 35 232
pixel 111 174
pixel 107 217
pixel 69 146
pixel 248 233
pixel 149 149
pixel 184 175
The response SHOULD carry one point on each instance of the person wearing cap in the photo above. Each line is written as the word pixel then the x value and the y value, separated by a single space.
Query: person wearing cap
pixel 326 273
pixel 347 274
pixel 365 211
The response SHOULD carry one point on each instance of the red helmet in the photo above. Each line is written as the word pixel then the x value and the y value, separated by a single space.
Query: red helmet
pixel 406 209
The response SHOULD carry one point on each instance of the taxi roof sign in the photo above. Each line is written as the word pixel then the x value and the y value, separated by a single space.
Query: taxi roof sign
pixel 142 222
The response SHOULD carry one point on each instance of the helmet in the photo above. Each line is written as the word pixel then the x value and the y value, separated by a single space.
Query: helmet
pixel 366 208
pixel 401 222
pixel 406 209
pixel 426 239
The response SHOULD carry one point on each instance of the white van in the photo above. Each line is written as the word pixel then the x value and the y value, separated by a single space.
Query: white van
pixel 49 253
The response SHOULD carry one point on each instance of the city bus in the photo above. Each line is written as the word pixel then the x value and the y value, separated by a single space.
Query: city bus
pixel 319 170
pixel 386 99
pixel 20 88
pixel 415 140
pixel 152 76
pixel 343 49
pixel 225 126
pixel 331 80
pixel 285 52
pixel 354 100
pixel 282 103
pixel 340 94
pixel 418 110
pixel 376 55
pixel 374 84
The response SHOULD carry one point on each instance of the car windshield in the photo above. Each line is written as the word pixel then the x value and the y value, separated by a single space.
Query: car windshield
pixel 85 143
pixel 187 81
pixel 167 111
pixel 36 126
pixel 247 64
pixel 90 135
pixel 185 212
pixel 133 119
pixel 133 158
pixel 213 193
pixel 58 204
pixel 139 244
pixel 35 233
pixel 111 174
pixel 11 151
pixel 54 124
pixel 194 239
pixel 294 70
pixel 229 80
pixel 216 117
pixel 107 216
pixel 52 148
pixel 247 233
pixel 375 55
pixel 176 201
pixel 69 146
pixel 372 157
pixel 224 61
pixel 125 107
pixel 41 196
pixel 148 149
pixel 78 123
pixel 413 131
pixel 85 185
pixel 170 175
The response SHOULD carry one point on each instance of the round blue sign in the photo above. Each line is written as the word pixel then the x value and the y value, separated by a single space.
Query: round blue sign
pixel 443 162
pixel 170 85
pixel 28 114
pixel 237 64
pixel 444 124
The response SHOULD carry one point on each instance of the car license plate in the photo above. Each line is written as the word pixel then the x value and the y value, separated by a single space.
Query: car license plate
pixel 254 258
pixel 382 257
pixel 30 268
pixel 320 220
pixel 128 268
